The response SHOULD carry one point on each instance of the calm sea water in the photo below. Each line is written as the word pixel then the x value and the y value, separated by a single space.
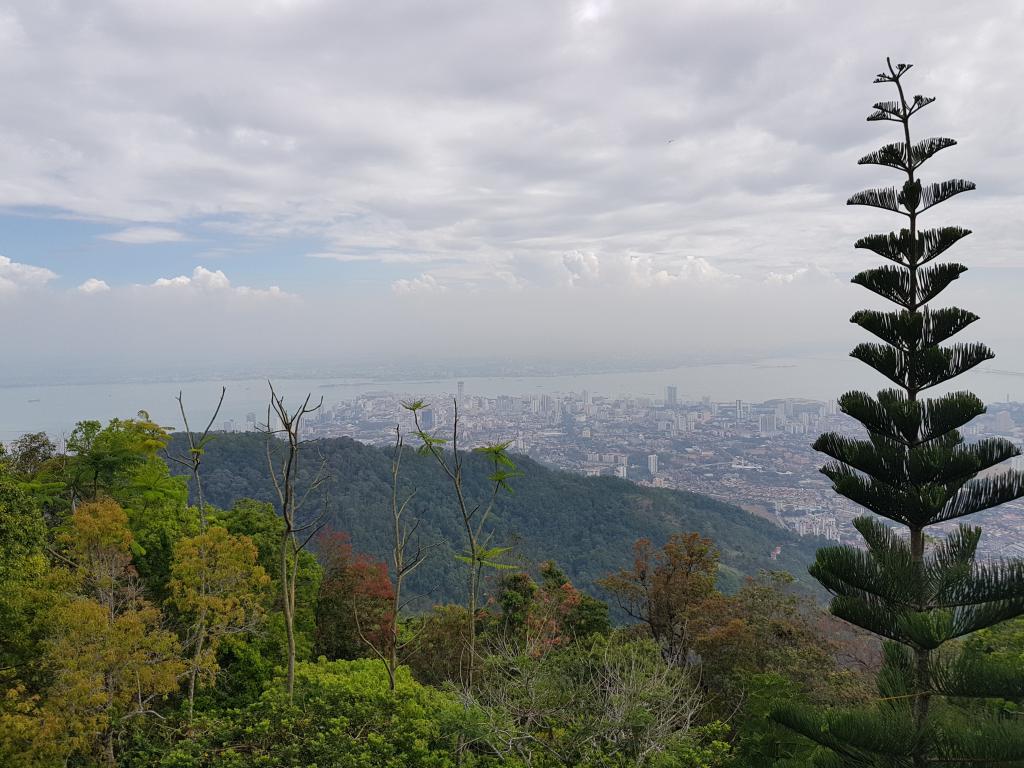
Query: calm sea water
pixel 56 408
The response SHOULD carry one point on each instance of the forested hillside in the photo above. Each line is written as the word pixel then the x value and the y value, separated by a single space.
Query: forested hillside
pixel 585 524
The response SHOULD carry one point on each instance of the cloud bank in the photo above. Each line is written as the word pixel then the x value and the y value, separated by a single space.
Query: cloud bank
pixel 609 176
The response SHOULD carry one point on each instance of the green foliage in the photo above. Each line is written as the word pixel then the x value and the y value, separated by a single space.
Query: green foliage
pixel 546 615
pixel 22 529
pixel 218 590
pixel 607 702
pixel 29 588
pixel 437 655
pixel 88 659
pixel 102 458
pixel 29 454
pixel 107 655
pixel 252 659
pixel 343 716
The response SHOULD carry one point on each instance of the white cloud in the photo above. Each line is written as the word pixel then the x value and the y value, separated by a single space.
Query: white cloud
pixel 582 266
pixel 639 156
pixel 809 274
pixel 273 292
pixel 145 235
pixel 425 283
pixel 94 285
pixel 629 126
pixel 644 271
pixel 205 280
pixel 15 276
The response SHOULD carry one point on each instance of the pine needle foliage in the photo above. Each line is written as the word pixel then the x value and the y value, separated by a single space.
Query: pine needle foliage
pixel 915 470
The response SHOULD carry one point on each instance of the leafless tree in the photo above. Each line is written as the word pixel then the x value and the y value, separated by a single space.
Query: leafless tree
pixel 296 534
pixel 479 552
pixel 196 449
pixel 404 562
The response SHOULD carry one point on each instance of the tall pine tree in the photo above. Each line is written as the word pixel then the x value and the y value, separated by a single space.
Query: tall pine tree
pixel 915 470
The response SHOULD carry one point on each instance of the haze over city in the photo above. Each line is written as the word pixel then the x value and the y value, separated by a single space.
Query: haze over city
pixel 275 185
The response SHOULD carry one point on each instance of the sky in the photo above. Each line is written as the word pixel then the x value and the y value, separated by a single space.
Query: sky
pixel 279 183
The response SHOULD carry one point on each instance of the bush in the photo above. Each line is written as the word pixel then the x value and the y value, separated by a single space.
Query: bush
pixel 343 716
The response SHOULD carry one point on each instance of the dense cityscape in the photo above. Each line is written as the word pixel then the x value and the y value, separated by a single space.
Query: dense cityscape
pixel 755 455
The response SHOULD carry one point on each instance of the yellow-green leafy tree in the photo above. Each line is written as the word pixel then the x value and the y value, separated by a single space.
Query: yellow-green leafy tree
pixel 111 658
pixel 219 589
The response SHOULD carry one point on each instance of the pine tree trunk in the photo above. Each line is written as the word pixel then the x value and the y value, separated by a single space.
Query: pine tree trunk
pixel 921 655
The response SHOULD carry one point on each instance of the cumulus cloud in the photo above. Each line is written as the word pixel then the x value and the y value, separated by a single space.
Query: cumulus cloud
pixel 425 283
pixel 581 266
pixel 203 280
pixel 646 271
pixel 94 285
pixel 808 274
pixel 15 276
pixel 145 235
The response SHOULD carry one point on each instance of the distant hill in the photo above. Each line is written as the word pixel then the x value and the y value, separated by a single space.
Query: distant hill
pixel 586 524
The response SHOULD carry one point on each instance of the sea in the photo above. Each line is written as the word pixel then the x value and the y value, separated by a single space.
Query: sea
pixel 55 408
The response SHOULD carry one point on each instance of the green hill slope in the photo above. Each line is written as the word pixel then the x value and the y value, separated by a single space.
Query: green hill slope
pixel 587 525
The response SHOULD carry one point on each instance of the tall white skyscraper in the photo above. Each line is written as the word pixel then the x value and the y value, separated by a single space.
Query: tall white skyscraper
pixel 671 395
pixel 652 463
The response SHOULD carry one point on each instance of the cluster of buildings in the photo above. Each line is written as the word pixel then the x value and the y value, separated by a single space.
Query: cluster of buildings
pixel 756 455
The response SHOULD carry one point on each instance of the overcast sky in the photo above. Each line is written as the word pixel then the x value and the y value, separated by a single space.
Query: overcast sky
pixel 298 179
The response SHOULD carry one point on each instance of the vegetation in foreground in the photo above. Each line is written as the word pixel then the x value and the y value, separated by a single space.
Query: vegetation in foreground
pixel 141 631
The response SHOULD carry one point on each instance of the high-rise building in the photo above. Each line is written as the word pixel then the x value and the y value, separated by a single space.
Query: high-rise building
pixel 671 396
pixel 427 419
pixel 652 464
pixel 462 390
